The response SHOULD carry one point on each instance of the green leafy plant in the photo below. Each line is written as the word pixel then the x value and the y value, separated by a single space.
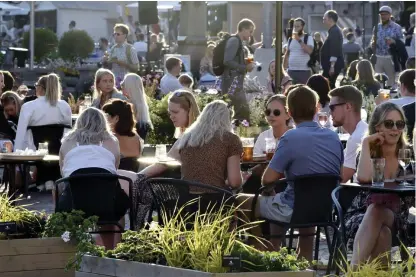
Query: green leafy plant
pixel 46 43
pixel 74 227
pixel 75 45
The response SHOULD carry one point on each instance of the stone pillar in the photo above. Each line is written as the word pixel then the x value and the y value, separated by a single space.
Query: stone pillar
pixel 267 26
pixel 193 25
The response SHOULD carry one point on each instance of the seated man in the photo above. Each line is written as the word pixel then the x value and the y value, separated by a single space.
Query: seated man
pixel 186 81
pixel 308 149
pixel 170 82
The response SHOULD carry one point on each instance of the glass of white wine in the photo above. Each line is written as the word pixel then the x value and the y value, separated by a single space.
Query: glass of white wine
pixel 404 161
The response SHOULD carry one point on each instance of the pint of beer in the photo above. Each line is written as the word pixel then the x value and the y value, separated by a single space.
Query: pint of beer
pixel 270 148
pixel 248 146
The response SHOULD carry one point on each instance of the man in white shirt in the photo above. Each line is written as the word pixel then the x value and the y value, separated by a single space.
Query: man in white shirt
pixel 297 55
pixel 407 88
pixel 170 82
pixel 345 106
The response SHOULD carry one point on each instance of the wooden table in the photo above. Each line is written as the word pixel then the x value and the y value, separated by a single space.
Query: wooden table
pixel 11 165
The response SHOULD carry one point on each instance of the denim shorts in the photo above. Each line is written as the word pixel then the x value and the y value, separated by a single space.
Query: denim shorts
pixel 271 207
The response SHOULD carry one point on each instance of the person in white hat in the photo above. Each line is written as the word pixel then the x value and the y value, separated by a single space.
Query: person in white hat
pixel 388 32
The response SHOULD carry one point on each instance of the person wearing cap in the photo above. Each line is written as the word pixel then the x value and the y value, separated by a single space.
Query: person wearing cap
pixel 388 32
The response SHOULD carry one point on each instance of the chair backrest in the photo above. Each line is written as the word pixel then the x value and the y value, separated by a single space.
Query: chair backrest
pixel 171 194
pixel 49 133
pixel 313 203
pixel 130 164
pixel 96 192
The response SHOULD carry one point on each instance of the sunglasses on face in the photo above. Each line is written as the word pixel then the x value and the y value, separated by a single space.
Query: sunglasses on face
pixel 389 124
pixel 269 112
pixel 332 107
pixel 117 34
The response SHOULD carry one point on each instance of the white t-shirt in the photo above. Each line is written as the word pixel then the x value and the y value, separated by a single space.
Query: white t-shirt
pixel 298 58
pixel 169 83
pixel 140 46
pixel 403 100
pixel 353 143
pixel 260 145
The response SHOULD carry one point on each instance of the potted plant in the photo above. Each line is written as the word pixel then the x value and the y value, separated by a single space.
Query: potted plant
pixel 75 45
pixel 46 43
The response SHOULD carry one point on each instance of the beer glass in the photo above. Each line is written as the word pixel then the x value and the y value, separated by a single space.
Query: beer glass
pixel 270 148
pixel 248 146
pixel 378 172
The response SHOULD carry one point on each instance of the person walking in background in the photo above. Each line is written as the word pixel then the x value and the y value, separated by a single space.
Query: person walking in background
pixel 332 59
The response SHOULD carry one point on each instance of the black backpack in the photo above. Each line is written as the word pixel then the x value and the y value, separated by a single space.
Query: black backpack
pixel 314 56
pixel 218 58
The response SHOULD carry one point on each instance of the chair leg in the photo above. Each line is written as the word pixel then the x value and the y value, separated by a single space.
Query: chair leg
pixel 317 239
pixel 332 254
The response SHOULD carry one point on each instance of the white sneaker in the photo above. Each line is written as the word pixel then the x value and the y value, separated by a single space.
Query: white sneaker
pixel 49 185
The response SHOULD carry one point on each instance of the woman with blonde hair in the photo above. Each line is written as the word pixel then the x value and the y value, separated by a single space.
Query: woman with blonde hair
pixel 132 88
pixel 365 77
pixel 105 88
pixel 372 216
pixel 183 111
pixel 12 104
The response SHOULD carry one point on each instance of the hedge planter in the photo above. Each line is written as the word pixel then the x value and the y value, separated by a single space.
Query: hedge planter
pixel 46 257
pixel 100 267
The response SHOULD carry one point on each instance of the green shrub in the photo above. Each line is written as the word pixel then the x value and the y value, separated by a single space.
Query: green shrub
pixel 46 43
pixel 75 44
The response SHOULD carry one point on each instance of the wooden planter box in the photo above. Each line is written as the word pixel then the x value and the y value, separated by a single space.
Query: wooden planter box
pixel 46 257
pixel 101 267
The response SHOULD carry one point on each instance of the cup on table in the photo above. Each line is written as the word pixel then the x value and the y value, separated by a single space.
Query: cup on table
pixel 248 146
pixel 87 101
pixel 378 172
pixel 160 152
pixel 43 148
pixel 270 148
pixel 384 94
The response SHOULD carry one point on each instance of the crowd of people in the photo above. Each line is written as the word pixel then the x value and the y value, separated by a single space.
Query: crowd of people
pixel 112 131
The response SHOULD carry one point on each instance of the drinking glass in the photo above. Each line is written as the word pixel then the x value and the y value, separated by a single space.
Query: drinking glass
pixel 322 118
pixel 270 148
pixel 248 146
pixel 161 152
pixel 404 161
pixel 378 172
pixel 43 148
pixel 87 101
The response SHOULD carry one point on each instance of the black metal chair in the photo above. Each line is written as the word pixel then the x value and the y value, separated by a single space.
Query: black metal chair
pixel 312 207
pixel 172 194
pixel 96 192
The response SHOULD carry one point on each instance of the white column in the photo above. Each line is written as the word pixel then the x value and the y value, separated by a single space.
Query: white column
pixel 267 24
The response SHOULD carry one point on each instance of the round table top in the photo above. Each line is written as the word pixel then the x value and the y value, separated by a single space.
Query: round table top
pixel 27 159
pixel 154 160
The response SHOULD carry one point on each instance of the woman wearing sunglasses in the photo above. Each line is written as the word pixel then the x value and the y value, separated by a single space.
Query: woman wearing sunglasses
pixel 386 136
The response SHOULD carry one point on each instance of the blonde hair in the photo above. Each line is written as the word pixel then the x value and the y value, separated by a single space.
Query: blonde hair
pixel 214 119
pixel 365 73
pixel 9 97
pixel 98 75
pixel 52 86
pixel 187 102
pixel 123 28
pixel 134 84
pixel 377 118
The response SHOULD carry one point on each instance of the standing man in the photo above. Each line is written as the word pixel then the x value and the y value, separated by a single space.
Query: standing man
pixel 298 53
pixel 332 58
pixel 388 32
pixel 345 106
pixel 236 68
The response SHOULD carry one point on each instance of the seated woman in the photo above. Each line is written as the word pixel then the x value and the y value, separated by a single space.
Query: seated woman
pixel 91 148
pixel 132 87
pixel 351 73
pixel 278 119
pixel 104 88
pixel 374 215
pixel 121 119
pixel 47 109
pixel 320 84
pixel 183 111
pixel 12 104
pixel 284 84
pixel 365 77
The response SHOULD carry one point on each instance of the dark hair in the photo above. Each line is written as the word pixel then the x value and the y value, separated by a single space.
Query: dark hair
pixel 407 79
pixel 410 63
pixel 72 23
pixel 320 84
pixel 8 80
pixel 124 110
pixel 140 37
pixel 104 40
pixel 185 79
pixel 302 102
pixel 349 94
pixel 172 62
pixel 333 15
pixel 350 36
pixel 245 23
pixel 301 21
pixel 352 69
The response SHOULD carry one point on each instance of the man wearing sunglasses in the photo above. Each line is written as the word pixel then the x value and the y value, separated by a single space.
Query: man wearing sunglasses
pixel 345 106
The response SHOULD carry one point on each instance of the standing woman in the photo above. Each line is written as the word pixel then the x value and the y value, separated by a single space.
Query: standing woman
pixel 104 88
pixel 132 87
pixel 47 109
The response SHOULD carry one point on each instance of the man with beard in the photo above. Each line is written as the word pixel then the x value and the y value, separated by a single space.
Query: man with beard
pixel 345 106
pixel 332 58
pixel 297 55
pixel 388 32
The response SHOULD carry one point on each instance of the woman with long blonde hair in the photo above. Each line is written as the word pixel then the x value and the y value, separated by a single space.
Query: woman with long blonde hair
pixel 132 88
pixel 12 104
pixel 365 77
pixel 105 88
